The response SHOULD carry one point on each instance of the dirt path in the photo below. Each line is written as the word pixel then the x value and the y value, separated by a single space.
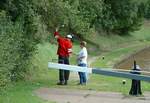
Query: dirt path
pixel 87 96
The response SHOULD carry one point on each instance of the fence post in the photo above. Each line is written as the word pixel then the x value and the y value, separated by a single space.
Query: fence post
pixel 136 84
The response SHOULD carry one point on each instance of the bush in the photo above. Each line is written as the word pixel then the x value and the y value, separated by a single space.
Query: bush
pixel 21 30
pixel 10 43
pixel 147 10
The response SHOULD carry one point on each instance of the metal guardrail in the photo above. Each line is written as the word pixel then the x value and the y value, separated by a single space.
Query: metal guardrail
pixel 100 71
pixel 121 74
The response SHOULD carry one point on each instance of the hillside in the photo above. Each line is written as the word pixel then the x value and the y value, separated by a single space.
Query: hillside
pixel 115 48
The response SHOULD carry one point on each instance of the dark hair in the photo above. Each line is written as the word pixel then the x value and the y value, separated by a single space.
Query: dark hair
pixel 83 43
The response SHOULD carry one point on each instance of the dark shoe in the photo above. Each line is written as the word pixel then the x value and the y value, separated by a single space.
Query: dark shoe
pixel 66 83
pixel 60 83
pixel 83 83
pixel 79 84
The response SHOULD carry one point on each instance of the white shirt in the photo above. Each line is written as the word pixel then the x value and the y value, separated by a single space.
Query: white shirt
pixel 82 53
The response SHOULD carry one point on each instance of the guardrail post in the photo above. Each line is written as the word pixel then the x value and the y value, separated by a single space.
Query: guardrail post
pixel 136 84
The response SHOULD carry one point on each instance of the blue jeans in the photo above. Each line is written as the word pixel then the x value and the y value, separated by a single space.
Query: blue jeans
pixel 82 75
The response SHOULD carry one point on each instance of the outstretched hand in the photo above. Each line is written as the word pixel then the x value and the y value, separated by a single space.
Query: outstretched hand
pixel 74 54
pixel 57 29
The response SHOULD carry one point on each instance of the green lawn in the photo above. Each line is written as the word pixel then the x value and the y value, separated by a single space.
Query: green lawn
pixel 40 76
pixel 115 48
pixel 115 55
pixel 21 92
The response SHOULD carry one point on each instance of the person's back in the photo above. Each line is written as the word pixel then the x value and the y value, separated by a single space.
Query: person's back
pixel 62 47
pixel 63 52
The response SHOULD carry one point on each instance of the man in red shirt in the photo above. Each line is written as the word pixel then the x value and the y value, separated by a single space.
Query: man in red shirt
pixel 63 52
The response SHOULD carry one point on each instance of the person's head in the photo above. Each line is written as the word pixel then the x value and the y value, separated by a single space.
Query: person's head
pixel 83 44
pixel 69 36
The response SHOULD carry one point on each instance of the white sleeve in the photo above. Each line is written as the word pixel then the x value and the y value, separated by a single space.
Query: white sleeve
pixel 84 52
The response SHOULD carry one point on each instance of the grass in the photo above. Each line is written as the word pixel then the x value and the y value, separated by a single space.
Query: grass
pixel 21 92
pixel 115 55
pixel 144 33
pixel 40 76
pixel 108 43
pixel 115 48
pixel 112 47
pixel 48 78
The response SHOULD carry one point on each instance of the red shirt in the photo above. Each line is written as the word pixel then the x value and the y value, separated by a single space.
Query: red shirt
pixel 64 46
pixel 56 33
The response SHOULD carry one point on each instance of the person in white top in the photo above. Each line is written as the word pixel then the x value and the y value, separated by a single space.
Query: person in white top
pixel 82 61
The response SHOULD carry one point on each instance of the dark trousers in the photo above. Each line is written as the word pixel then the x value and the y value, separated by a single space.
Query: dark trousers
pixel 135 88
pixel 82 75
pixel 63 74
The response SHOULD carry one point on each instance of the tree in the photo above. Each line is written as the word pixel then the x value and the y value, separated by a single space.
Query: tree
pixel 21 30
pixel 121 17
pixel 147 9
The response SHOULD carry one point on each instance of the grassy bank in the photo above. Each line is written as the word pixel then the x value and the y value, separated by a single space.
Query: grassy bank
pixel 116 55
pixel 40 76
pixel 113 48
pixel 21 92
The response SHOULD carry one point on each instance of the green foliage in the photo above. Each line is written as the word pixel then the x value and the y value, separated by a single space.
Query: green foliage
pixel 10 43
pixel 20 30
pixel 25 23
pixel 147 10
pixel 120 17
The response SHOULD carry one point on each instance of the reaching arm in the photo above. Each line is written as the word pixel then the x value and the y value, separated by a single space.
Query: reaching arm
pixel 80 58
pixel 56 33
pixel 74 54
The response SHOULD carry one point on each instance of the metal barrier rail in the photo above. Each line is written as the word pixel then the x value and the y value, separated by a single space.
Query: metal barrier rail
pixel 121 74
pixel 99 71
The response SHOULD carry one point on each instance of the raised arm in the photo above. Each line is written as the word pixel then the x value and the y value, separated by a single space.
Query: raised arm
pixel 56 33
